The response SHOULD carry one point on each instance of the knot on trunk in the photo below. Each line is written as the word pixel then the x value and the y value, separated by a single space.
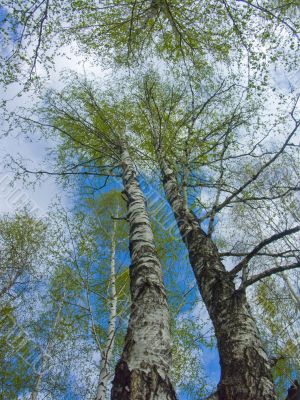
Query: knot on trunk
pixel 145 383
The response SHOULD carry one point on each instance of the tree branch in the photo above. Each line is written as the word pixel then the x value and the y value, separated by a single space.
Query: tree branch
pixel 285 254
pixel 40 33
pixel 258 173
pixel 261 245
pixel 268 273
pixel 270 13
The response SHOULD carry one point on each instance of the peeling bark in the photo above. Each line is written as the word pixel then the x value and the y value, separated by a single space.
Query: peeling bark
pixel 245 367
pixel 142 373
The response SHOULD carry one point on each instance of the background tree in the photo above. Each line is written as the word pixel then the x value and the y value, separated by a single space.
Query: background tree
pixel 15 372
pixel 278 321
pixel 21 248
pixel 97 289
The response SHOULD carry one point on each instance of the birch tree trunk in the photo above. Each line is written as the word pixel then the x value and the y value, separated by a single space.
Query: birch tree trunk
pixel 293 294
pixel 106 356
pixel 245 367
pixel 10 284
pixel 45 358
pixel 142 372
pixel 35 393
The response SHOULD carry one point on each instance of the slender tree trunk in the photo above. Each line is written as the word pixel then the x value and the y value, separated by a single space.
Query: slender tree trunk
pixel 245 367
pixel 293 294
pixel 38 383
pixel 10 284
pixel 142 372
pixel 104 378
pixel 45 358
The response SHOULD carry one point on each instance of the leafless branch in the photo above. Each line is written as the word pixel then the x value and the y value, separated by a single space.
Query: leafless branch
pixel 229 199
pixel 260 246
pixel 268 273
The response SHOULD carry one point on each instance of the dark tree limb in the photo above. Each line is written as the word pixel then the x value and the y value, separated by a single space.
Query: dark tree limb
pixel 229 199
pixel 260 246
pixel 268 273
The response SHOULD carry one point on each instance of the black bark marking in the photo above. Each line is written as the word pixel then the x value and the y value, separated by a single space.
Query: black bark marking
pixel 121 383
pixel 294 391
pixel 139 384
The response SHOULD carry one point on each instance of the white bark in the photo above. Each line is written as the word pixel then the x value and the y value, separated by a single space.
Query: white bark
pixel 142 372
pixel 295 297
pixel 46 356
pixel 107 353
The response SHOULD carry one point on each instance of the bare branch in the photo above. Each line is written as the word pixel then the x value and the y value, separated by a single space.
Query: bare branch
pixel 63 173
pixel 228 200
pixel 285 254
pixel 268 273
pixel 40 33
pixel 260 246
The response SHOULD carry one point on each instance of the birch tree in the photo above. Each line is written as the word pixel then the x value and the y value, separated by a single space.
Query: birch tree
pixel 94 222
pixel 146 359
pixel 106 355
pixel 245 368
pixel 94 289
pixel 52 336
pixel 112 229
pixel 21 246
pixel 165 129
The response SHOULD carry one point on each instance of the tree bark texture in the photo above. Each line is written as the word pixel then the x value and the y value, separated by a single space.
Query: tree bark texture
pixel 245 367
pixel 143 371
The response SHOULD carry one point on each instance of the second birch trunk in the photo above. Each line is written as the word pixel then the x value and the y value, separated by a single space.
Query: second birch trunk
pixel 245 367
